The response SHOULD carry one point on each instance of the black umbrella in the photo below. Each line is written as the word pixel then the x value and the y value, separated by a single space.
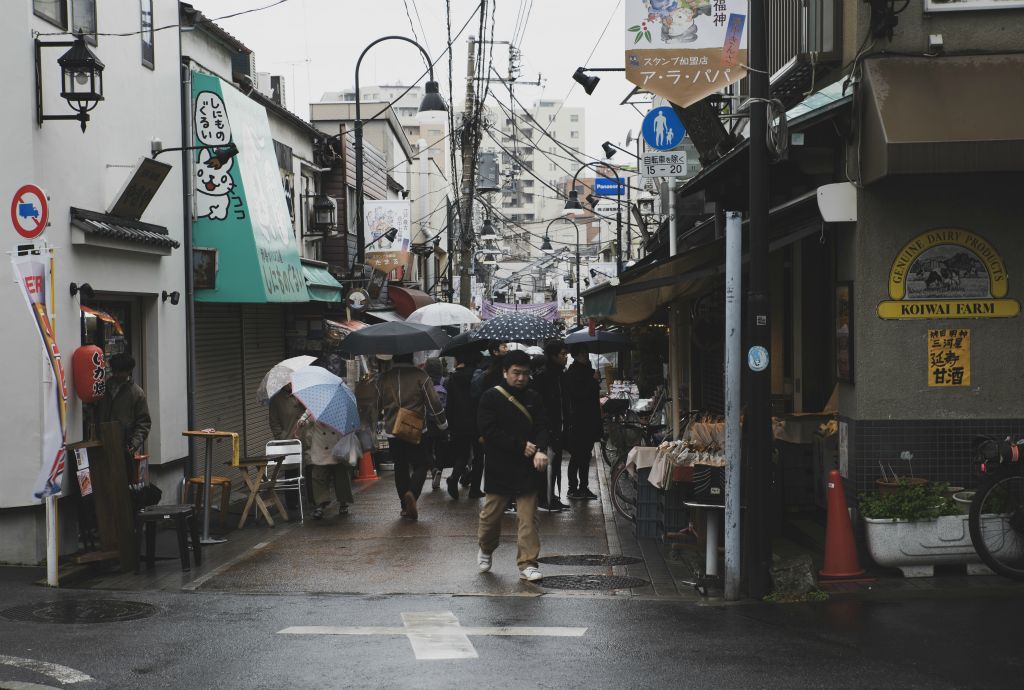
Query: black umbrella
pixel 517 326
pixel 600 343
pixel 467 340
pixel 393 338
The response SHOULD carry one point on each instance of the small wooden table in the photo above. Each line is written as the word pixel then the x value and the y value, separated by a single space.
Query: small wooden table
pixel 260 480
pixel 210 435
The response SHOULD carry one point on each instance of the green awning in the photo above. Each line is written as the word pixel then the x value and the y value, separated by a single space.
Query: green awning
pixel 320 284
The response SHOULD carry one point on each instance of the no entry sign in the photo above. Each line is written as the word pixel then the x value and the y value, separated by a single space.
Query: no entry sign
pixel 29 211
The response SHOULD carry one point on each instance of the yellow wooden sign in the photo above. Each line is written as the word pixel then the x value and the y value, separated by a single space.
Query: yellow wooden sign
pixel 948 273
pixel 949 357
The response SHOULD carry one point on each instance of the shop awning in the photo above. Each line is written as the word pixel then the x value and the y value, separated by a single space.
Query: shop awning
pixel 943 115
pixel 89 227
pixel 639 294
pixel 407 299
pixel 385 315
pixel 320 284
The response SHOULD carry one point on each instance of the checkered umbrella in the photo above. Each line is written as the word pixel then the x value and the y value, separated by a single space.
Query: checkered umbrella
pixel 517 326
pixel 327 398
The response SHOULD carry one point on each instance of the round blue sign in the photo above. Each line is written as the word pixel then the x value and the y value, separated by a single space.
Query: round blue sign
pixel 662 129
pixel 757 358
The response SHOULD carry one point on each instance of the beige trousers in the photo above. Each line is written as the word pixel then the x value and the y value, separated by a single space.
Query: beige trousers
pixel 528 538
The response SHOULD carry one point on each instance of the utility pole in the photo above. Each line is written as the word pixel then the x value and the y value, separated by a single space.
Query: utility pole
pixel 469 136
pixel 757 434
pixel 451 250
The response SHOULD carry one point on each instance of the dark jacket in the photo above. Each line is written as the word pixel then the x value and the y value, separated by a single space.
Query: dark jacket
pixel 460 410
pixel 550 384
pixel 403 385
pixel 127 404
pixel 285 410
pixel 505 429
pixel 583 402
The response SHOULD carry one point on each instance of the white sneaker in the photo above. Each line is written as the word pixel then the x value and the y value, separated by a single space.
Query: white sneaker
pixel 531 574
pixel 483 561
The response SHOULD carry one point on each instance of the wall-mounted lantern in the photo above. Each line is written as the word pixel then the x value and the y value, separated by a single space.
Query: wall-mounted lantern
pixel 323 214
pixel 81 79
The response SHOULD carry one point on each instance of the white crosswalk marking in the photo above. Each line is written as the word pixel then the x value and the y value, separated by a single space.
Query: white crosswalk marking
pixel 436 635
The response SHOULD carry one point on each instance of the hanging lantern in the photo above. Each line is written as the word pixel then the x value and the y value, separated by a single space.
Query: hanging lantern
pixel 89 373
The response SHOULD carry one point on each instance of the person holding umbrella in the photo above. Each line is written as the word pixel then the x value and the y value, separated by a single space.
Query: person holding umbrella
pixel 550 383
pixel 583 421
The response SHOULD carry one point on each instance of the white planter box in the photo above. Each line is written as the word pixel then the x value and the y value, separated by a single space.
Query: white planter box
pixel 915 547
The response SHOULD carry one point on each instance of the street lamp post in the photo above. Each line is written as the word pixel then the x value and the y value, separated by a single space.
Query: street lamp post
pixel 573 205
pixel 431 103
pixel 546 247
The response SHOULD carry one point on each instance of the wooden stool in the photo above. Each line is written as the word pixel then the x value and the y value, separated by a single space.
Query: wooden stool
pixel 222 483
pixel 184 517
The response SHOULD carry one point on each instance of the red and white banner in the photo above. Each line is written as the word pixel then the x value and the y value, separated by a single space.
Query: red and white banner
pixel 32 273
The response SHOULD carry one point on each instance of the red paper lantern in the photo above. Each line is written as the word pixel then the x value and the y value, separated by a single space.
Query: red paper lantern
pixel 89 372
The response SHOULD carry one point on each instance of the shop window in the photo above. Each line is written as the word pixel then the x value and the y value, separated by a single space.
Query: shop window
pixel 83 19
pixel 146 34
pixel 53 11
pixel 109 324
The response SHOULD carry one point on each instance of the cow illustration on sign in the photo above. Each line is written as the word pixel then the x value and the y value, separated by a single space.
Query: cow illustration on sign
pixel 214 181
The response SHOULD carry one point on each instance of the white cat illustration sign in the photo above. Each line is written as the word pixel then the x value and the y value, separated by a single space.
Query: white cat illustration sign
pixel 239 203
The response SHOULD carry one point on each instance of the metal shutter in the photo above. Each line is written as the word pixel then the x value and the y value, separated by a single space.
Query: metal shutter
pixel 263 346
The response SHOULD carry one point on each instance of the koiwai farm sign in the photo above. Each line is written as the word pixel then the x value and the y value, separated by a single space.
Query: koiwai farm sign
pixel 948 274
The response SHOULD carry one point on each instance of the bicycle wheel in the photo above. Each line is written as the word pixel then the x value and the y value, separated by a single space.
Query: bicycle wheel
pixel 997 521
pixel 624 492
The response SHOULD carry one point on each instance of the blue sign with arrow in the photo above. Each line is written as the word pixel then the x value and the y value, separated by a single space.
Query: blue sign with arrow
pixel 662 129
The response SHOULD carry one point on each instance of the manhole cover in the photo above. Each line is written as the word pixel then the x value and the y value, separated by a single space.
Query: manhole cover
pixel 589 559
pixel 591 582
pixel 80 611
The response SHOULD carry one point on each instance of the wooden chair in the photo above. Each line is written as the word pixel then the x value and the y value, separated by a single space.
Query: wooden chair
pixel 216 481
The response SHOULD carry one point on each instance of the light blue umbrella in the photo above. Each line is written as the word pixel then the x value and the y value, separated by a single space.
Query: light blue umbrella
pixel 327 398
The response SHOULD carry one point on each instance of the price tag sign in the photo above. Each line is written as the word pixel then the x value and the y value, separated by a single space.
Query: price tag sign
pixel 663 164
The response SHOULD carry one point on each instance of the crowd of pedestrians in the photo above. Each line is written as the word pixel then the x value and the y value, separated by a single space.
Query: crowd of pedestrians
pixel 500 424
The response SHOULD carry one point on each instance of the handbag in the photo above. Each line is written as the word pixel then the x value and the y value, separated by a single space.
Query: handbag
pixel 408 425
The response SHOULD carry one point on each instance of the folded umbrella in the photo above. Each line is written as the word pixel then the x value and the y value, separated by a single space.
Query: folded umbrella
pixel 517 326
pixel 279 376
pixel 394 338
pixel 600 343
pixel 467 340
pixel 327 398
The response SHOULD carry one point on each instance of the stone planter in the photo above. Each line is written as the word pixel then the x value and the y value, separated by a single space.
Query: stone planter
pixel 916 547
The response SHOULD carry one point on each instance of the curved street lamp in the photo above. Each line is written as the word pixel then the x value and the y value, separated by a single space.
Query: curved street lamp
pixel 430 106
pixel 547 248
pixel 573 205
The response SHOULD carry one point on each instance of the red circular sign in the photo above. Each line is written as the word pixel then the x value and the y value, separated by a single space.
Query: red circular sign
pixel 29 211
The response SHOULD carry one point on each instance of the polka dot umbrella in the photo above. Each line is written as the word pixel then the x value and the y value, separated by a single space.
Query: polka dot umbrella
pixel 517 326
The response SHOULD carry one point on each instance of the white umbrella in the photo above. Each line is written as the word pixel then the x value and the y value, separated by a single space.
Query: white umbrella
pixel 279 376
pixel 443 314
pixel 515 346
pixel 534 350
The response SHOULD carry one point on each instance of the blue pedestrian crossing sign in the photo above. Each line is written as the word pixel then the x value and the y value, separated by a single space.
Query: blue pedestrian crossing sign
pixel 662 129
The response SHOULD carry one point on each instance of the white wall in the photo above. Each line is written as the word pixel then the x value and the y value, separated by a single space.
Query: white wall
pixel 77 169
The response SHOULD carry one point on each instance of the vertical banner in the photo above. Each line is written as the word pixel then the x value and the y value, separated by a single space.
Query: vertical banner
pixel 32 273
pixel 949 357
pixel 685 50
pixel 378 218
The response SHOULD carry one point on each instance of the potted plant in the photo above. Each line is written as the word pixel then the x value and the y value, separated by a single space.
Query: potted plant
pixel 916 526
pixel 890 481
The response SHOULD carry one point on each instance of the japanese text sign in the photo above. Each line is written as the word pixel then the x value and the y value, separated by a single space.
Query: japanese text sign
pixel 949 357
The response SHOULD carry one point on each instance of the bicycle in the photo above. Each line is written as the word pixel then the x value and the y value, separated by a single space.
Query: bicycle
pixel 996 519
pixel 626 429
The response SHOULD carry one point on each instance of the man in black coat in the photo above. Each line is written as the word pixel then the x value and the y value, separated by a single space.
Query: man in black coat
pixel 511 420
pixel 550 383
pixel 583 424
pixel 461 413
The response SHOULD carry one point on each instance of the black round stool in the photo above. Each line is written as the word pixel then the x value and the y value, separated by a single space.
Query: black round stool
pixel 184 517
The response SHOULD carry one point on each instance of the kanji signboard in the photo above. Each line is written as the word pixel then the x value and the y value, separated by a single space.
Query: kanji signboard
pixel 949 357
pixel 669 164
pixel 685 50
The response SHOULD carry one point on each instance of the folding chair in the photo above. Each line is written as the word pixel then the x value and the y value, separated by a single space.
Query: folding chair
pixel 294 450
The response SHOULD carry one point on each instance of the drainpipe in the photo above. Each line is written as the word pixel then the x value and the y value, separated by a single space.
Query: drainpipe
pixel 190 308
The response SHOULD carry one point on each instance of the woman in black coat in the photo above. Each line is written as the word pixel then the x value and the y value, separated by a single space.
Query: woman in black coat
pixel 583 420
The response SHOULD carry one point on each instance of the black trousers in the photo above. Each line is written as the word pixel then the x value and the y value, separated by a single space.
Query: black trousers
pixel 467 456
pixel 579 466
pixel 556 468
pixel 411 466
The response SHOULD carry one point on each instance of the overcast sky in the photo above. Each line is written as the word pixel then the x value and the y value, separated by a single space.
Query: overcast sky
pixel 314 44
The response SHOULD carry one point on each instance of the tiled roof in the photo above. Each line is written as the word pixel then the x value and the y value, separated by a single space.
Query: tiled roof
pixel 122 228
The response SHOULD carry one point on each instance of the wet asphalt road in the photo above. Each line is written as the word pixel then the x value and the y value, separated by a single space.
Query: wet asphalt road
pixel 221 625
pixel 218 640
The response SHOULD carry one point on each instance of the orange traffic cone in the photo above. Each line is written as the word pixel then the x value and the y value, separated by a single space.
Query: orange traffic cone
pixel 366 470
pixel 840 551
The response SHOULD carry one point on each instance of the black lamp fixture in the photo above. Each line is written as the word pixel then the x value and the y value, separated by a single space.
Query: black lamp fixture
pixel 173 296
pixel 390 234
pixel 587 81
pixel 219 155
pixel 572 204
pixel 609 150
pixel 81 79
pixel 84 289
pixel 487 232
pixel 545 245
pixel 323 213
pixel 593 200
pixel 432 108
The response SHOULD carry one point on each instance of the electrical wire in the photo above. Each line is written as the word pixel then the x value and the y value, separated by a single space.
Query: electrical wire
pixel 204 20
pixel 592 51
